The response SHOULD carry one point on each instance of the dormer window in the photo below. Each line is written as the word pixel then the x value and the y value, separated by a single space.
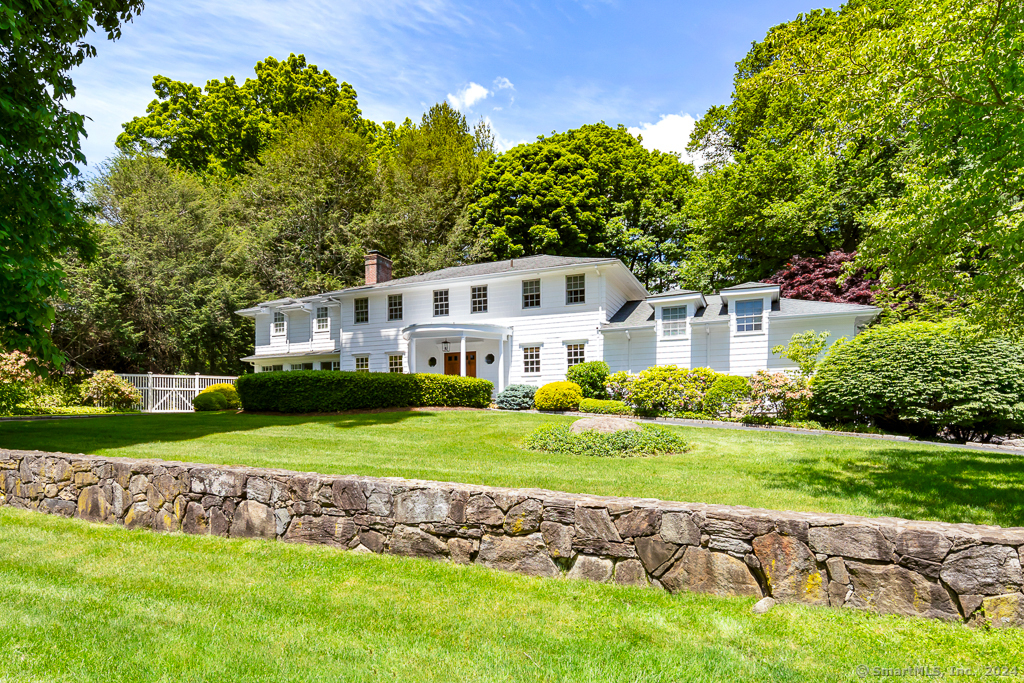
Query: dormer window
pixel 748 315
pixel 673 321
pixel 323 322
pixel 278 322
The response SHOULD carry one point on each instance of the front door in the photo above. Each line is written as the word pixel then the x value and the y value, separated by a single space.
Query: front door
pixel 452 363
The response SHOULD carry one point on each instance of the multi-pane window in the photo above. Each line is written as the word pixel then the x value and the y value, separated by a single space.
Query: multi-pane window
pixel 394 306
pixel 278 322
pixel 330 365
pixel 301 366
pixel 673 321
pixel 362 363
pixel 574 354
pixel 531 293
pixel 440 302
pixel 362 310
pixel 531 360
pixel 575 289
pixel 323 322
pixel 748 315
pixel 395 364
pixel 271 368
pixel 479 299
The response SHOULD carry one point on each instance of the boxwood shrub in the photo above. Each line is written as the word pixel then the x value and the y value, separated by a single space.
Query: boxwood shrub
pixel 321 391
pixel 228 398
pixel 516 397
pixel 924 378
pixel 558 396
pixel 590 376
pixel 593 405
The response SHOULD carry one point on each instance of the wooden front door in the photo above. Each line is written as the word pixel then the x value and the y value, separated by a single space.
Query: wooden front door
pixel 452 363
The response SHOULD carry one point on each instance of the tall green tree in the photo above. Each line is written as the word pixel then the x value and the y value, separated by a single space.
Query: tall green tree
pixel 593 191
pixel 170 271
pixel 220 129
pixel 41 217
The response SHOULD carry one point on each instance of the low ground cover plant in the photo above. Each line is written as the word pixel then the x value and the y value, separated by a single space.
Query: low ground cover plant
pixel 590 376
pixel 558 396
pixel 516 397
pixel 646 441
pixel 313 391
pixel 924 378
pixel 593 405
pixel 220 396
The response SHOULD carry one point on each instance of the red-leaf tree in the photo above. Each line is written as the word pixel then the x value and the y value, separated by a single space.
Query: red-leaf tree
pixel 815 279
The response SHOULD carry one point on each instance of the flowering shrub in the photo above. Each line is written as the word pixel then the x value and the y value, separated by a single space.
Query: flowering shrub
pixel 106 388
pixel 617 385
pixel 780 394
pixel 14 377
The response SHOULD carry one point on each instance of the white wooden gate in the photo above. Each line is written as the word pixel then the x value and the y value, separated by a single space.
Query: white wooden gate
pixel 171 393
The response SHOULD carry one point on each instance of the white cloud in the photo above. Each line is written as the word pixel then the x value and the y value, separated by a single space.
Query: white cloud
pixel 501 83
pixel 670 134
pixel 468 96
pixel 502 143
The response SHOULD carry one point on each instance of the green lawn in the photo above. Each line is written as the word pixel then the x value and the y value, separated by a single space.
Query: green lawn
pixel 85 602
pixel 761 469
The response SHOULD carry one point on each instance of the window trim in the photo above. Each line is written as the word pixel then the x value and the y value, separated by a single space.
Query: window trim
pixel 681 322
pixel 274 323
pixel 583 289
pixel 356 357
pixel 525 294
pixel 575 346
pixel 473 300
pixel 400 307
pixel 446 303
pixel 326 319
pixel 527 362
pixel 401 363
pixel 757 319
pixel 355 310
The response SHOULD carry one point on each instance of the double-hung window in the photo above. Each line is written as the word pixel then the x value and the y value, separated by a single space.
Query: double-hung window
pixel 575 354
pixel 575 289
pixel 531 360
pixel 748 315
pixel 323 321
pixel 278 322
pixel 531 293
pixel 673 321
pixel 478 299
pixel 395 364
pixel 362 311
pixel 440 302
pixel 394 306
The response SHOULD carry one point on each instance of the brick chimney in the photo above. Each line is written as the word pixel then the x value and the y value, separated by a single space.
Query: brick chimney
pixel 378 268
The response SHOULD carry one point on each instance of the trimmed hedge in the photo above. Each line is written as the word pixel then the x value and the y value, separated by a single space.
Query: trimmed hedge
pixel 558 396
pixel 593 405
pixel 320 391
pixel 225 391
pixel 924 378
pixel 590 376
pixel 516 397
pixel 213 400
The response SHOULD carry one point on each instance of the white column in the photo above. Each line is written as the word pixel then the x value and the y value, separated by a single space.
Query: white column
pixel 462 356
pixel 501 363
pixel 412 355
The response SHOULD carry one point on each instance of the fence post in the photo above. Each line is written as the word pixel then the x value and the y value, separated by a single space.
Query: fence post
pixel 148 407
pixel 197 389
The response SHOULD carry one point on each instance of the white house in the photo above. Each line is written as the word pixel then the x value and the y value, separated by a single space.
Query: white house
pixel 526 320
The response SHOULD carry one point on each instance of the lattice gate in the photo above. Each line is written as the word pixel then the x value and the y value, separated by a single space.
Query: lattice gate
pixel 170 393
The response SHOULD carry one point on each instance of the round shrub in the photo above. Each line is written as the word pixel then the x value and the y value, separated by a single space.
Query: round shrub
pixel 226 390
pixel 648 440
pixel 922 378
pixel 726 395
pixel 516 397
pixel 212 400
pixel 669 390
pixel 593 405
pixel 590 376
pixel 558 396
pixel 107 389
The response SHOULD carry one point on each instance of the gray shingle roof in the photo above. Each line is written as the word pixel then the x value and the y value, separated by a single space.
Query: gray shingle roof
pixel 674 292
pixel 478 269
pixel 748 285
pixel 632 314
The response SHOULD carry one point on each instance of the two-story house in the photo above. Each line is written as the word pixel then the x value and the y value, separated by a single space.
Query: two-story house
pixel 527 320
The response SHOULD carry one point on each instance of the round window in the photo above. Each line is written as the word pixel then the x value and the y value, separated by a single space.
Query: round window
pixel 489 358
pixel 432 362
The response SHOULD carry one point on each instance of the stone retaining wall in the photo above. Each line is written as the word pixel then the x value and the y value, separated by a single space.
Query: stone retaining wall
pixel 956 572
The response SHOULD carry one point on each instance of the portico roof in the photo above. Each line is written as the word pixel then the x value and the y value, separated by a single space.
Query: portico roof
pixel 439 330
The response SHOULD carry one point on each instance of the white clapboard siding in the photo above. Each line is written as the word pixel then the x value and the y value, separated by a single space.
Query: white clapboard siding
pixel 171 393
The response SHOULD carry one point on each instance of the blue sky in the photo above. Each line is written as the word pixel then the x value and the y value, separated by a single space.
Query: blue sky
pixel 529 68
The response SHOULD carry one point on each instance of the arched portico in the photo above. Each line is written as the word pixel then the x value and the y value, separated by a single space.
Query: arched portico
pixel 462 335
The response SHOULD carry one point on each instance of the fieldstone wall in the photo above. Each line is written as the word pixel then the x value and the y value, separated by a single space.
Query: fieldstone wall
pixel 955 572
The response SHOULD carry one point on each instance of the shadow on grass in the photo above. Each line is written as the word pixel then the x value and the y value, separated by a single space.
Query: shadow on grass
pixel 935 484
pixel 100 433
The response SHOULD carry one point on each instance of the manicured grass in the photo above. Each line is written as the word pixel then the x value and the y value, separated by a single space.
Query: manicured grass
pixel 760 469
pixel 85 602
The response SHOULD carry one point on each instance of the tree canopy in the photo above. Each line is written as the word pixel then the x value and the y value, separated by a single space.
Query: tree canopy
pixel 41 217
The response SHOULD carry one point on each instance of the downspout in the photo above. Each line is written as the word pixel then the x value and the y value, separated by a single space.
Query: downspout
pixel 707 346
pixel 629 353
